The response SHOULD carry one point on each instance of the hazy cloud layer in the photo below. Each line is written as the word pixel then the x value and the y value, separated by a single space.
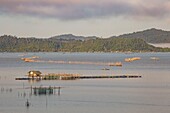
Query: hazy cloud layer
pixel 84 9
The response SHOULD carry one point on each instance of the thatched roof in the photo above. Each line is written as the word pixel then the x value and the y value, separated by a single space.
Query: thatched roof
pixel 34 73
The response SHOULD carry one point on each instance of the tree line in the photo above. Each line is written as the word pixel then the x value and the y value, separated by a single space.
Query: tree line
pixel 13 44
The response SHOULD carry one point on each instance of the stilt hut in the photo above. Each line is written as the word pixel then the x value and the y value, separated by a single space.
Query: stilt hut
pixel 34 74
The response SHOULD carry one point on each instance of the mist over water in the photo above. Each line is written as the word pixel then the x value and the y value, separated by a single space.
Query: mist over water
pixel 163 45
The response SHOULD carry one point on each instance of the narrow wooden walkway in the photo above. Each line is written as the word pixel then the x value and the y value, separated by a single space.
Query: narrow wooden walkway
pixel 83 77
pixel 118 76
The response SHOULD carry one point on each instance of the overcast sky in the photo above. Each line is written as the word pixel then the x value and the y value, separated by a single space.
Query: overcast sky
pixel 103 18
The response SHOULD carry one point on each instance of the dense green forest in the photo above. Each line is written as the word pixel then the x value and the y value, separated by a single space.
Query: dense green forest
pixel 150 36
pixel 14 44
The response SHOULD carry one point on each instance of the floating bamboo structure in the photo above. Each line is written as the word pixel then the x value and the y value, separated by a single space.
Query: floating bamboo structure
pixel 27 59
pixel 37 75
pixel 34 59
pixel 30 59
pixel 73 77
pixel 64 76
pixel 115 64
pixel 154 58
pixel 132 59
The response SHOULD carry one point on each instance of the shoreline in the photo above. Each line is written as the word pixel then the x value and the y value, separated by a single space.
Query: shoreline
pixel 89 52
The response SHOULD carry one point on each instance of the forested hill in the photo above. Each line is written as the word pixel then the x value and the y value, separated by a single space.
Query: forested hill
pixel 150 36
pixel 14 44
pixel 71 37
pixel 109 45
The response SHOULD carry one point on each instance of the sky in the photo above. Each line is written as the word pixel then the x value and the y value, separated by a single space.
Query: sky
pixel 102 18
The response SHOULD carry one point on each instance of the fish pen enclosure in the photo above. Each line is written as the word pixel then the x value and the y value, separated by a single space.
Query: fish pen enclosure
pixel 44 90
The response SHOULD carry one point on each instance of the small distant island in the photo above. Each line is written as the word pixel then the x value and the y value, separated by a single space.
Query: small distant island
pixel 133 42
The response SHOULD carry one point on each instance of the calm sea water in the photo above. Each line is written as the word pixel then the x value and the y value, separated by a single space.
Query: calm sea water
pixel 149 94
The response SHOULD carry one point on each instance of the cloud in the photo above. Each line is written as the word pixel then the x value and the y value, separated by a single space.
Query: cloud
pixel 84 9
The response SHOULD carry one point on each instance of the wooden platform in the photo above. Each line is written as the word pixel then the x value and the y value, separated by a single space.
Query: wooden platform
pixel 82 77
pixel 95 77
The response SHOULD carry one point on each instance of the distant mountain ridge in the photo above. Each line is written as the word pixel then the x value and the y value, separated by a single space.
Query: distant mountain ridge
pixel 14 44
pixel 150 35
pixel 134 42
pixel 68 37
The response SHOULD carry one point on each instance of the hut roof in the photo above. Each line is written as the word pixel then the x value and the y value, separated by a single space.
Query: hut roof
pixel 35 72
